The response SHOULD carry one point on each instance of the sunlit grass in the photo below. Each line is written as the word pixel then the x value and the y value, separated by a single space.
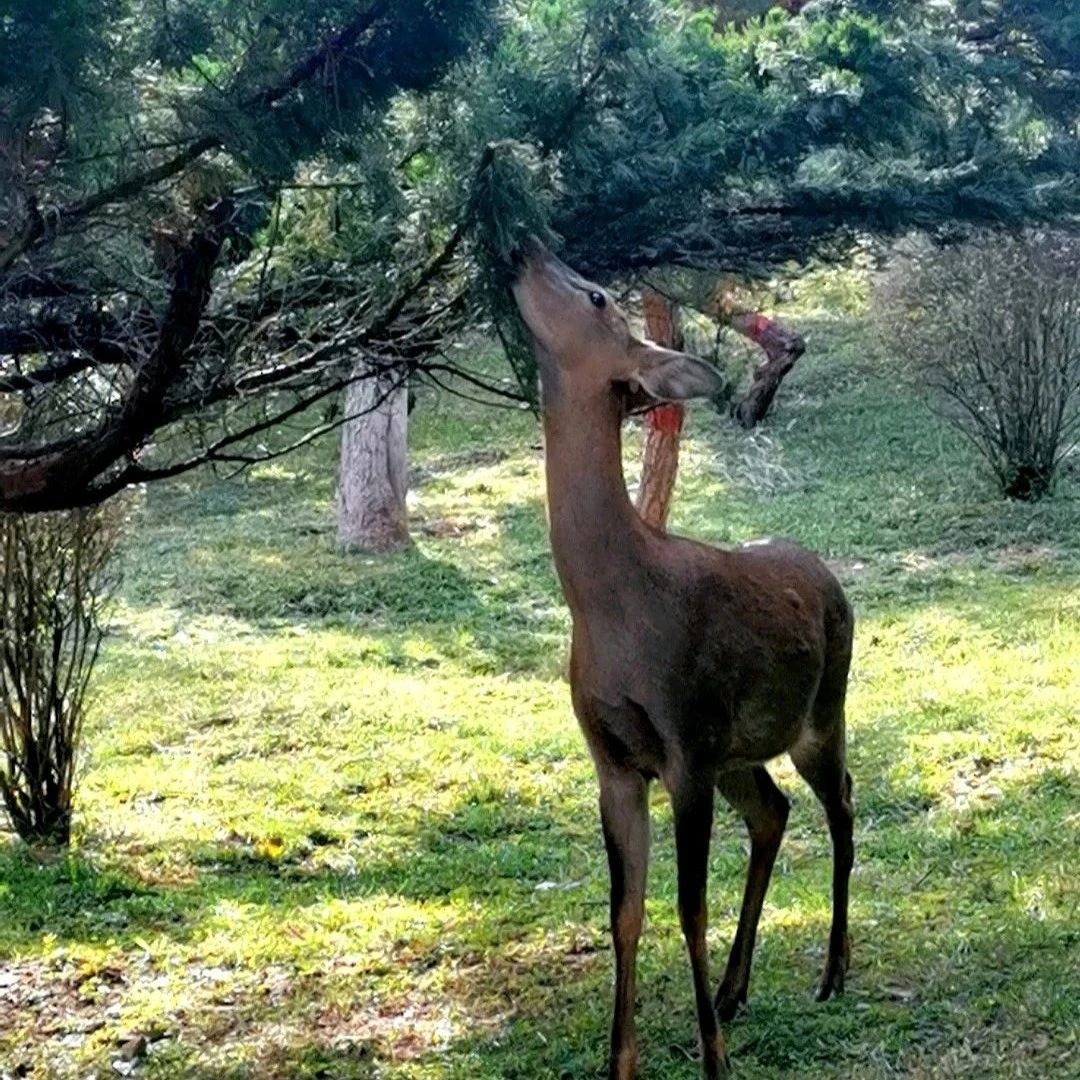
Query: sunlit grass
pixel 336 819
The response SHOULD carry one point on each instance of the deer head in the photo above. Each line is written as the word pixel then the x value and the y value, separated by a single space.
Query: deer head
pixel 584 343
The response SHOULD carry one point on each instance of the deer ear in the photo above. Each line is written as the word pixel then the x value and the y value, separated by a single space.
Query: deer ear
pixel 666 375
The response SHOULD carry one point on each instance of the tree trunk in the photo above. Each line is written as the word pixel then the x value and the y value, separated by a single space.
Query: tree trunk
pixel 782 348
pixel 374 467
pixel 660 461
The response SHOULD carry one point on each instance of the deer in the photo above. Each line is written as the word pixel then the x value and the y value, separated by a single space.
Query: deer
pixel 690 664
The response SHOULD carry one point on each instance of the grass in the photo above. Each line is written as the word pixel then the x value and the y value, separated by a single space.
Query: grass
pixel 337 821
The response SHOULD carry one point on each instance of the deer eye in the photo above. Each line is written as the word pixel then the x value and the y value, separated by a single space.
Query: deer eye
pixel 597 299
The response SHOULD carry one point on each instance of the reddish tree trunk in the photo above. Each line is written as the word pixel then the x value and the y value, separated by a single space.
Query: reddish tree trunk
pixel 782 348
pixel 660 461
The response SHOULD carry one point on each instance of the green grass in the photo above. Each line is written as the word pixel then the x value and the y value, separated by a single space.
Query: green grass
pixel 337 821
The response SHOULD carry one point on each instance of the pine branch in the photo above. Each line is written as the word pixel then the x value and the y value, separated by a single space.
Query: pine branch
pixel 41 228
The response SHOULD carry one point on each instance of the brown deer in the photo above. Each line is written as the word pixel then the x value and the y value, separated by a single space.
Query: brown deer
pixel 689 663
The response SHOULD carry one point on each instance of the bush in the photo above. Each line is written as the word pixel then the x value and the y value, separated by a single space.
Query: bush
pixel 56 577
pixel 991 329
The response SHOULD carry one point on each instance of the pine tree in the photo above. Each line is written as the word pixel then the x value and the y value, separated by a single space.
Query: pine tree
pixel 295 185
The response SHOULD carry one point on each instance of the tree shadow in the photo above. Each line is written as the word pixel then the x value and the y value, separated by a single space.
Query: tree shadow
pixel 945 939
pixel 264 574
pixel 484 849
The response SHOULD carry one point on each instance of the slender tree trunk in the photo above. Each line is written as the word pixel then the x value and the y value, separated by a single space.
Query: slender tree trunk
pixel 660 461
pixel 374 467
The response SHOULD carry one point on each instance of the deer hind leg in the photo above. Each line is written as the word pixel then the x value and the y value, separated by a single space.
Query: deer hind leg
pixel 764 808
pixel 820 761
pixel 693 807
pixel 624 812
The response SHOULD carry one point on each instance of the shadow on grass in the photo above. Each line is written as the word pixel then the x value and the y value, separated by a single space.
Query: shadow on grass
pixel 506 617
pixel 949 952
pixel 498 851
pixel 490 851
pixel 916 996
pixel 279 579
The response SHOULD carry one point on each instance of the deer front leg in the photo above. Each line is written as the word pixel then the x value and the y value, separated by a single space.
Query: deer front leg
pixel 624 811
pixel 693 806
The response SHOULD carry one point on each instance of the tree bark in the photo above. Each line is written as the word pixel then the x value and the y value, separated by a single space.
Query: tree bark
pixel 660 461
pixel 61 477
pixel 374 466
pixel 782 348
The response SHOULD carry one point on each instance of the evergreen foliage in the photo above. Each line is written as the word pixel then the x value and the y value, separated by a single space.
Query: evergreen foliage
pixel 742 145
pixel 371 163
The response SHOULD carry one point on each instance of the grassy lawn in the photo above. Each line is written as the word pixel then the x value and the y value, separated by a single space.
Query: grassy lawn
pixel 337 820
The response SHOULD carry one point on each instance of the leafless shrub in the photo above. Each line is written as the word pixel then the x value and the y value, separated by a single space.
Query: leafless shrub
pixel 991 330
pixel 57 574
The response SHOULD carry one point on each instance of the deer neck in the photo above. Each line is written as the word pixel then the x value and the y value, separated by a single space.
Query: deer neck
pixel 594 526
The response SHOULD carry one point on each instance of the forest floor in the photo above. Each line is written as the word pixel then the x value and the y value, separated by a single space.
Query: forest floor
pixel 337 821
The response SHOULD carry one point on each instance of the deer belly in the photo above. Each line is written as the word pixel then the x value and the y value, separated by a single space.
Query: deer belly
pixel 767 723
pixel 758 736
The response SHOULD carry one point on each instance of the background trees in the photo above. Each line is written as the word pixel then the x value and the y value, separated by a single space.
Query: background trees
pixel 210 212
pixel 201 208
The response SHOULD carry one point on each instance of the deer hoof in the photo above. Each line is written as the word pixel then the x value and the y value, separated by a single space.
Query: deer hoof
pixel 832 985
pixel 721 1071
pixel 624 1066
pixel 832 982
pixel 725 1065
